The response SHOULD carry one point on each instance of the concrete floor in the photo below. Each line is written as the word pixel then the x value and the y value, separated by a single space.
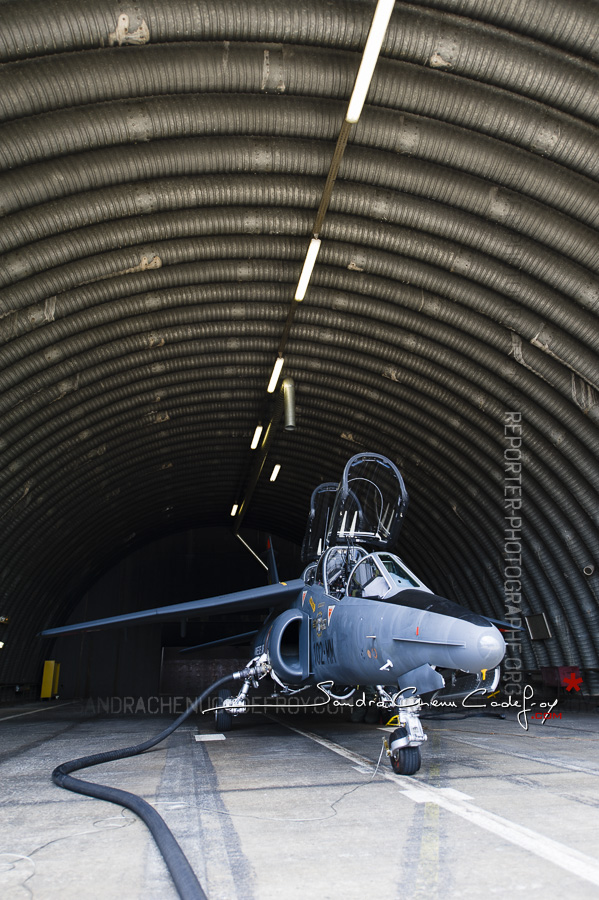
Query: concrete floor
pixel 295 807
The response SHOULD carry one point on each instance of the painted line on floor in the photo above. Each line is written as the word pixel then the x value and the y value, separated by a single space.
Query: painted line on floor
pixel 452 792
pixel 39 709
pixel 571 860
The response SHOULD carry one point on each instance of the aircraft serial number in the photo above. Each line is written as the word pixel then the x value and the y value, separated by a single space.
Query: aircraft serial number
pixel 324 652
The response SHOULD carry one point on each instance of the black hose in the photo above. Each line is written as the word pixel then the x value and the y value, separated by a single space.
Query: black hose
pixel 178 865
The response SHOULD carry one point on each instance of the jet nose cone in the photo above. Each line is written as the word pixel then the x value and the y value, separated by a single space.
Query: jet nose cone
pixel 491 647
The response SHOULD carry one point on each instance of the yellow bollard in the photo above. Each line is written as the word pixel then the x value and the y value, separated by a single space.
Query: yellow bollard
pixel 49 679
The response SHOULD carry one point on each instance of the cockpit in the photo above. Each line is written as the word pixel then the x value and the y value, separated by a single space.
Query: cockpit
pixel 381 575
pixel 334 568
pixel 364 511
pixel 353 571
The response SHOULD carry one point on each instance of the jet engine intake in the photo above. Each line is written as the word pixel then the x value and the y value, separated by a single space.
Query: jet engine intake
pixel 288 646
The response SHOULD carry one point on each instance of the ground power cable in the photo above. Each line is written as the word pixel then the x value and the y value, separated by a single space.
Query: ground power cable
pixel 177 863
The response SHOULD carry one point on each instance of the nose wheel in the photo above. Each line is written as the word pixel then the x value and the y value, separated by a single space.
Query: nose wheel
pixel 403 746
pixel 407 761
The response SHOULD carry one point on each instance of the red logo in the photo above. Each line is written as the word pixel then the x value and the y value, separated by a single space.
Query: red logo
pixel 572 681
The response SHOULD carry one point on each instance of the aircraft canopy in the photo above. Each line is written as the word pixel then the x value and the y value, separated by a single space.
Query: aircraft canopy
pixel 321 507
pixel 370 503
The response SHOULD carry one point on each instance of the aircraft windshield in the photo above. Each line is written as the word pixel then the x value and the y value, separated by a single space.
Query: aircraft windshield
pixel 399 575
pixel 381 575
pixel 367 580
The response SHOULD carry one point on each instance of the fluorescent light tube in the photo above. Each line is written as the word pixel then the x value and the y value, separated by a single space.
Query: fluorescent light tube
pixel 275 374
pixel 257 436
pixel 302 285
pixel 234 509
pixel 275 472
pixel 380 20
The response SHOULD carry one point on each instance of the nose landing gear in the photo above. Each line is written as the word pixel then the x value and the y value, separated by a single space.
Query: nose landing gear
pixel 405 760
pixel 403 748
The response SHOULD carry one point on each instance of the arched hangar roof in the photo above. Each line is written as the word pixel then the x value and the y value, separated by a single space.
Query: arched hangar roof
pixel 162 166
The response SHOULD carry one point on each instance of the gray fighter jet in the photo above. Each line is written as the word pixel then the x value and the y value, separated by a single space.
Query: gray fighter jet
pixel 357 617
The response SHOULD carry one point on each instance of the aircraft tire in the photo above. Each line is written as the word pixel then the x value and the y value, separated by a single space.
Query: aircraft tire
pixel 407 762
pixel 223 720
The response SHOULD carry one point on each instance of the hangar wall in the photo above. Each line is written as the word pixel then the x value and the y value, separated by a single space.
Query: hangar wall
pixel 175 568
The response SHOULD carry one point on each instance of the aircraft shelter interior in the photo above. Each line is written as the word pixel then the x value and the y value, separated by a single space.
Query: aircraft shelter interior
pixel 165 170
pixel 241 243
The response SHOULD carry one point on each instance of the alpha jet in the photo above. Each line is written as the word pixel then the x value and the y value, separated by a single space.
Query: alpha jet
pixel 362 617
pixel 358 616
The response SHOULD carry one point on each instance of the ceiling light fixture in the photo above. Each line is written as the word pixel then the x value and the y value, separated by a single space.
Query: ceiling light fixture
pixel 257 436
pixel 302 285
pixel 275 374
pixel 234 509
pixel 275 472
pixel 380 20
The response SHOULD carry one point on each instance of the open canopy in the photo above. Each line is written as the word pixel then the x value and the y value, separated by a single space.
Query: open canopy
pixel 321 508
pixel 367 507
pixel 370 504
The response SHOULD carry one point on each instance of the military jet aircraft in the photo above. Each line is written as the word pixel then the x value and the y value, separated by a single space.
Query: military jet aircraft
pixel 357 617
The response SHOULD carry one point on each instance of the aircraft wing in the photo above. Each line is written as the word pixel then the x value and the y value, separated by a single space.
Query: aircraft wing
pixel 240 601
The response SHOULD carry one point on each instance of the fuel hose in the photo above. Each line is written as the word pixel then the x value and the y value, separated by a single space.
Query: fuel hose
pixel 178 865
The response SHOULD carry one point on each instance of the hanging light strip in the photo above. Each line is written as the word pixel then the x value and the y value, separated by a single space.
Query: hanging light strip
pixel 275 374
pixel 378 27
pixel 372 49
pixel 257 436
pixel 374 42
pixel 302 285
